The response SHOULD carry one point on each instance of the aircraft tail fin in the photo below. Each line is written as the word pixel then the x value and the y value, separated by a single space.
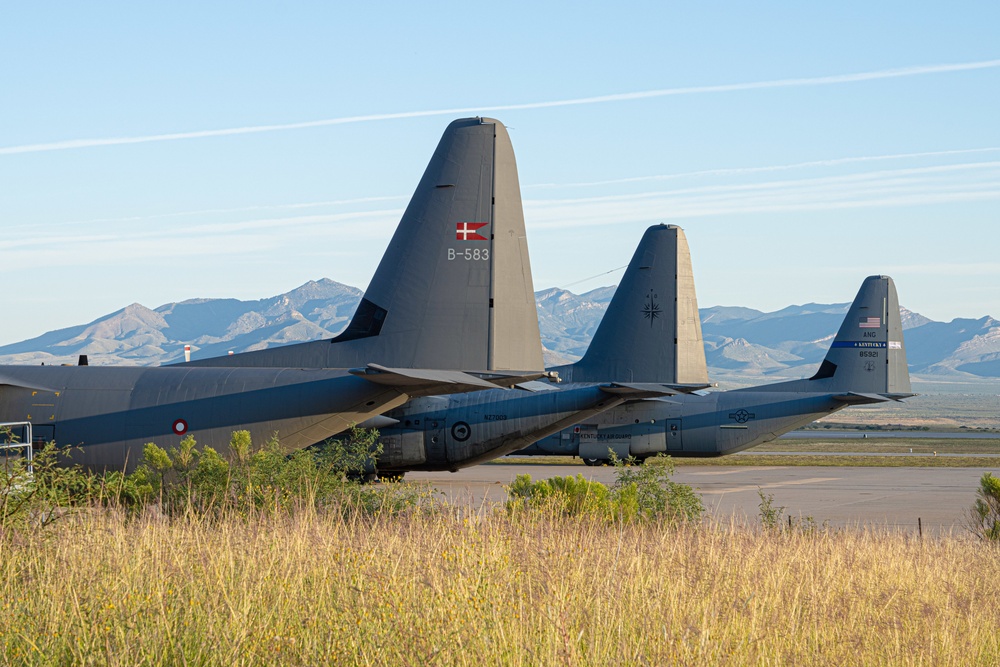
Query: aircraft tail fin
pixel 868 356
pixel 454 289
pixel 651 331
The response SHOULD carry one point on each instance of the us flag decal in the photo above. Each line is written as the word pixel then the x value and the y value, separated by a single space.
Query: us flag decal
pixel 870 322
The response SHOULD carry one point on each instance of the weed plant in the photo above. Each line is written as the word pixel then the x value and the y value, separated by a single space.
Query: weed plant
pixel 984 515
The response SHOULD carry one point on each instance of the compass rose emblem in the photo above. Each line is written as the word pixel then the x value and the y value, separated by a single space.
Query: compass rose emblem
pixel 651 311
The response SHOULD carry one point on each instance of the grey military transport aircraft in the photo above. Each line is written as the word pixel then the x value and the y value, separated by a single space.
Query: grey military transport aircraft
pixel 453 292
pixel 866 364
pixel 643 348
pixel 650 341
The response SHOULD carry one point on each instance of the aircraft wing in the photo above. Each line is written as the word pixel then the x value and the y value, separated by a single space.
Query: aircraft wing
pixel 857 398
pixel 423 382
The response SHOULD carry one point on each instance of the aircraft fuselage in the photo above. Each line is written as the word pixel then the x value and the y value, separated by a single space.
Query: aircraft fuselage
pixel 457 431
pixel 111 412
pixel 689 425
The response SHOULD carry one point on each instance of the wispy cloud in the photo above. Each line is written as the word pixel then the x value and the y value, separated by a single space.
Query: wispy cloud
pixel 705 173
pixel 600 99
pixel 743 171
pixel 969 182
pixel 217 237
pixel 216 211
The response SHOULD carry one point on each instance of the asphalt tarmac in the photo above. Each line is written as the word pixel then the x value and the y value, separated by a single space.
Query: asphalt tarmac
pixel 911 435
pixel 886 498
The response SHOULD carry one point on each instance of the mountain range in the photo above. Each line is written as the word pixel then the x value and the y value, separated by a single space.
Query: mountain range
pixel 742 344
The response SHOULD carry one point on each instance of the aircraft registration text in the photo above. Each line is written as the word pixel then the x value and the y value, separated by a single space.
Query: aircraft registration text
pixel 468 254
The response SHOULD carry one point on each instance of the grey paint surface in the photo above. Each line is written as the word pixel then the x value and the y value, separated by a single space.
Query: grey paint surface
pixel 456 269
pixel 651 331
pixel 112 412
pixel 892 498
pixel 452 432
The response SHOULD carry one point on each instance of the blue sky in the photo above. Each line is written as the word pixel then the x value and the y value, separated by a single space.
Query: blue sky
pixel 158 153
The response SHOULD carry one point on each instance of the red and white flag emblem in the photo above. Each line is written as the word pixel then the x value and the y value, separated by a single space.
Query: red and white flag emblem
pixel 466 231
pixel 870 323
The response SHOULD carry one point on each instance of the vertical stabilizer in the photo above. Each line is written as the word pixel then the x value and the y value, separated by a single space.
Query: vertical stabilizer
pixel 515 342
pixel 651 331
pixel 454 289
pixel 868 356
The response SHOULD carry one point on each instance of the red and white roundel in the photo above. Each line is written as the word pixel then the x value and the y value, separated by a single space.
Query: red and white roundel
pixel 180 427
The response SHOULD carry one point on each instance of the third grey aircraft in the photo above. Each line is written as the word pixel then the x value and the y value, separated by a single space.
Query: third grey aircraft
pixel 866 364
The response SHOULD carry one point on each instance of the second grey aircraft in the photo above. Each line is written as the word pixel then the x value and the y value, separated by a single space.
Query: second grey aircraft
pixel 650 339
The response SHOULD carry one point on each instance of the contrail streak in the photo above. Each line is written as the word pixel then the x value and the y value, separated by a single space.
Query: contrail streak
pixel 741 171
pixel 601 99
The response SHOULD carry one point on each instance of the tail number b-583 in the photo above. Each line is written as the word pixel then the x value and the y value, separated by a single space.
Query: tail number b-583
pixel 469 254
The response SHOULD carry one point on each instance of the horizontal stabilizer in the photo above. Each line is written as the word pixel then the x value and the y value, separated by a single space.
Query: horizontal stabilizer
pixel 857 398
pixel 534 385
pixel 415 377
pixel 650 389
pixel 378 421
pixel 418 381
pixel 508 379
pixel 6 381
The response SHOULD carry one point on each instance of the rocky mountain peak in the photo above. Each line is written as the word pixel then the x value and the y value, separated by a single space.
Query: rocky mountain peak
pixel 739 341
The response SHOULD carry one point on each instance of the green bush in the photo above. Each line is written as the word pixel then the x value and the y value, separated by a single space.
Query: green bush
pixel 16 491
pixel 39 497
pixel 770 516
pixel 640 493
pixel 574 496
pixel 267 479
pixel 984 516
pixel 647 492
pixel 188 478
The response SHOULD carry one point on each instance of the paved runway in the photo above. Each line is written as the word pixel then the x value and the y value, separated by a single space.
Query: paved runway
pixel 860 435
pixel 850 496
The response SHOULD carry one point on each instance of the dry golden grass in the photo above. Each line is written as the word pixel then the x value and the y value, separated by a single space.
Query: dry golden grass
pixel 307 589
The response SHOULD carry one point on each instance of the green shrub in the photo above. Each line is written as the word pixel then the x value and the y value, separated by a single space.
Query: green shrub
pixel 984 516
pixel 770 516
pixel 192 479
pixel 37 497
pixel 574 496
pixel 640 493
pixel 267 479
pixel 647 492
